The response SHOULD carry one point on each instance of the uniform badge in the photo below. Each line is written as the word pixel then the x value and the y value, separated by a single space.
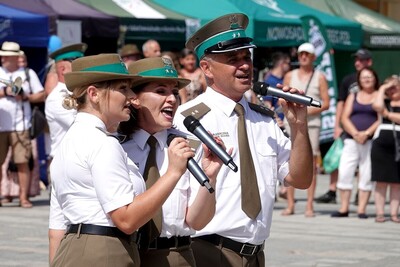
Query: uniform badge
pixel 233 20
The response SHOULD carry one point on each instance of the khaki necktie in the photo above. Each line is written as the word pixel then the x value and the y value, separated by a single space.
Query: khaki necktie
pixel 151 229
pixel 251 204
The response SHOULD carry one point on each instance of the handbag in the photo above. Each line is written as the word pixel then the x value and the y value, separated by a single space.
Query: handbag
pixel 38 123
pixel 332 157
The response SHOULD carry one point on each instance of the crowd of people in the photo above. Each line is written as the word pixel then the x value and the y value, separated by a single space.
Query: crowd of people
pixel 120 146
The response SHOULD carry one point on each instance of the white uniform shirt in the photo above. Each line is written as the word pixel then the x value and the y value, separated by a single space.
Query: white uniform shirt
pixel 58 118
pixel 16 115
pixel 270 150
pixel 91 176
pixel 174 208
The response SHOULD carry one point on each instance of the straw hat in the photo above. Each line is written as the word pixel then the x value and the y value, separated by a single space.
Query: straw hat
pixel 129 49
pixel 69 52
pixel 156 69
pixel 224 34
pixel 92 69
pixel 10 49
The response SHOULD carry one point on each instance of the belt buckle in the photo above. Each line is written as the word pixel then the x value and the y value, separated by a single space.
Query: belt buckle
pixel 245 246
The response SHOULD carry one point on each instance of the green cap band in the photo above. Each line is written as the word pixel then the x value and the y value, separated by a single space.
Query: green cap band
pixel 225 36
pixel 161 72
pixel 117 68
pixel 72 54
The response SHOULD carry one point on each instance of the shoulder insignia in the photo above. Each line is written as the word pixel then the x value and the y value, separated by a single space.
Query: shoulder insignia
pixel 262 110
pixel 196 111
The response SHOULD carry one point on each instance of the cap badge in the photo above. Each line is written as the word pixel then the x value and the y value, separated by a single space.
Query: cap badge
pixel 234 22
pixel 168 65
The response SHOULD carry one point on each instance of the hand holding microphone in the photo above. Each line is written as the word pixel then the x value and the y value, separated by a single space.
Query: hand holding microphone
pixel 264 89
pixel 195 169
pixel 194 126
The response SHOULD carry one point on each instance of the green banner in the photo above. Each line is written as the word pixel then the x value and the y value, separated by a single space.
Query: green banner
pixel 315 33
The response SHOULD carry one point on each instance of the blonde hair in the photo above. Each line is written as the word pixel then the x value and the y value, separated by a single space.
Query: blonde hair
pixel 391 78
pixel 78 98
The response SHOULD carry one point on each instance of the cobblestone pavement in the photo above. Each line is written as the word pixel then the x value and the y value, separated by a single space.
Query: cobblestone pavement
pixel 295 241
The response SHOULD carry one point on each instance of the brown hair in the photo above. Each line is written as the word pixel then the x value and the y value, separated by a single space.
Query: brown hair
pixel 373 73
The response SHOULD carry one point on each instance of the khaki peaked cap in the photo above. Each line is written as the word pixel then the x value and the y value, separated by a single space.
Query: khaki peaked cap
pixel 221 35
pixel 69 52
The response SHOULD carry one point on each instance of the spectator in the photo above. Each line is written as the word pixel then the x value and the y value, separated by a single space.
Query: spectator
pixel 15 111
pixel 280 66
pixel 130 53
pixel 314 84
pixel 362 59
pixel 385 151
pixel 182 213
pixel 191 71
pixel 359 122
pixel 151 48
pixel 236 234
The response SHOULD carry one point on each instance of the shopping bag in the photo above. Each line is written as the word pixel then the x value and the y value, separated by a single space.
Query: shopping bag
pixel 332 157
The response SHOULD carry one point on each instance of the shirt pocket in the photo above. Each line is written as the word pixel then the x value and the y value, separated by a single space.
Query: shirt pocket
pixel 266 160
pixel 176 204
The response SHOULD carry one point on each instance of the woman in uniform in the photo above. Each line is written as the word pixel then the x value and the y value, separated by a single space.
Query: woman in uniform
pixel 98 199
pixel 157 98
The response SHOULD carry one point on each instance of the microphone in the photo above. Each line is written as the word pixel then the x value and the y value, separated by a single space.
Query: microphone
pixel 264 89
pixel 194 126
pixel 194 168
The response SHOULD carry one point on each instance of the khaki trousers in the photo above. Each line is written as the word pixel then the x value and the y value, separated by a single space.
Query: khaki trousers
pixel 207 254
pixel 95 250
pixel 177 257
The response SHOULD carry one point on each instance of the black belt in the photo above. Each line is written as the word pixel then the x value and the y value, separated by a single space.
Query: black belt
pixel 244 249
pixel 91 229
pixel 165 242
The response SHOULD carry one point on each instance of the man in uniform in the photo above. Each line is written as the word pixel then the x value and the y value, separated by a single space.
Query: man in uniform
pixel 58 118
pixel 244 199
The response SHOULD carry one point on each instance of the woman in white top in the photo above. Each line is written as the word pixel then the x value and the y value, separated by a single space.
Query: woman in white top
pixel 97 192
pixel 156 101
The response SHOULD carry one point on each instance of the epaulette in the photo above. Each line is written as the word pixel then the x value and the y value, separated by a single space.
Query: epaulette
pixel 261 109
pixel 196 111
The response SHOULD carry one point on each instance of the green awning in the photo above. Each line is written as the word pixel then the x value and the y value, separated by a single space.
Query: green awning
pixel 143 20
pixel 380 31
pixel 272 23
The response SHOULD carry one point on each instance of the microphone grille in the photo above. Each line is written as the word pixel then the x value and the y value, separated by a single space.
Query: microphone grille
pixel 170 138
pixel 260 88
pixel 190 123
